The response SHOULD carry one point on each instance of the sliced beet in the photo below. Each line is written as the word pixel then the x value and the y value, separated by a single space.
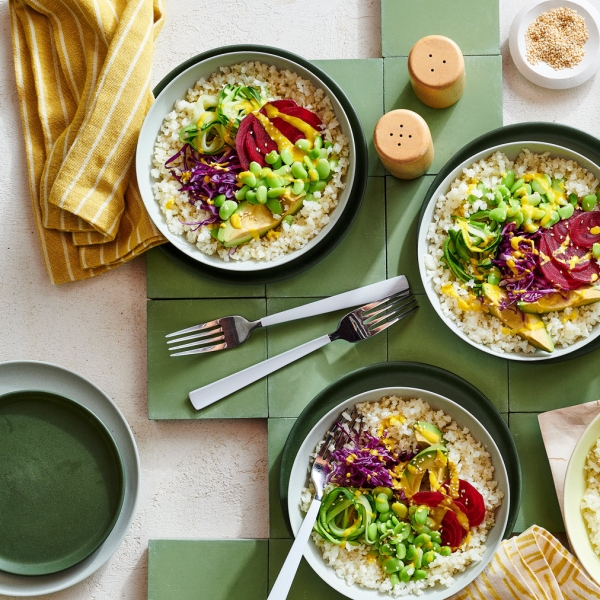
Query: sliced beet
pixel 471 502
pixel 289 131
pixel 451 531
pixel 552 272
pixel 279 104
pixel 579 228
pixel 253 151
pixel 303 114
pixel 263 142
pixel 589 275
pixel 431 499
pixel 240 140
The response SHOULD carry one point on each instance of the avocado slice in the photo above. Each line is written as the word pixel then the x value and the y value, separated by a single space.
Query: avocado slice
pixel 529 326
pixel 255 219
pixel 427 434
pixel 433 459
pixel 552 302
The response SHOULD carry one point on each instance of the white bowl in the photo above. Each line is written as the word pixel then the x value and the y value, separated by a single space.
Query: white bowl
pixel 176 90
pixel 299 478
pixel 543 74
pixel 512 150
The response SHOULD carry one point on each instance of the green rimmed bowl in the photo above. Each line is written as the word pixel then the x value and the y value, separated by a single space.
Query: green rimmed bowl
pixel 175 86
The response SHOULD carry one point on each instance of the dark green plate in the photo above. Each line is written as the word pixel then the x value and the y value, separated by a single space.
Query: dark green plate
pixel 339 230
pixel 406 374
pixel 552 133
pixel 61 483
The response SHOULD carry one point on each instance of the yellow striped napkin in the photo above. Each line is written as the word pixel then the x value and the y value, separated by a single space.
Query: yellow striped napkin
pixel 532 566
pixel 83 77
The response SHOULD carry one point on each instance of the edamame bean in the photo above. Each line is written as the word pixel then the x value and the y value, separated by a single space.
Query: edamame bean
pixel 509 179
pixel 386 491
pixel 386 549
pixel 248 178
pixel 401 551
pixel 298 171
pixel 314 154
pixel 323 153
pixel 422 539
pixel 328 145
pixel 554 218
pixel 303 144
pixel 317 186
pixel 405 531
pixel 384 517
pixel 436 536
pixel 565 212
pixel 498 214
pixel 519 219
pixel 596 250
pixel 589 202
pixel 410 552
pixel 504 191
pixel 241 193
pixel 406 573
pixel 274 206
pixel 276 192
pixel 254 168
pixel 394 579
pixel 282 171
pixel 272 157
pixel 218 201
pixel 537 187
pixel 261 194
pixel 573 199
pixel 227 209
pixel 298 187
pixel 533 199
pixel 400 509
pixel 418 558
pixel 323 168
pixel 472 198
pixel 289 219
pixel 274 181
pixel 421 514
pixel 419 574
pixel 313 175
pixel 264 172
pixel 445 551
pixel 382 527
pixel 558 185
pixel 392 565
pixel 517 185
pixel 372 529
pixel 412 509
pixel 435 547
pixel 287 155
pixel 318 143
pixel 428 558
pixel 395 521
pixel 251 197
pixel 493 279
pixel 498 197
pixel 410 538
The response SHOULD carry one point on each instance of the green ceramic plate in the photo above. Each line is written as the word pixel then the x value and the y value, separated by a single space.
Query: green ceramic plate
pixel 552 133
pixel 415 375
pixel 62 483
pixel 326 241
pixel 573 491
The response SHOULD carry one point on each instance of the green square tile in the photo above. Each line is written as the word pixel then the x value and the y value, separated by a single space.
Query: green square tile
pixel 307 584
pixel 290 389
pixel 171 379
pixel 478 111
pixel 279 430
pixel 358 260
pixel 167 277
pixel 424 337
pixel 473 24
pixel 542 387
pixel 403 203
pixel 362 81
pixel 539 503
pixel 215 569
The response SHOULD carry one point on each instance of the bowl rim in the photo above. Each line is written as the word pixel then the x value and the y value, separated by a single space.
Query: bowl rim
pixel 300 464
pixel 428 209
pixel 542 74
pixel 350 198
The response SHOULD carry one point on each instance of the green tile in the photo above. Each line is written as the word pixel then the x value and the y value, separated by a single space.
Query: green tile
pixel 358 260
pixel 424 337
pixel 403 203
pixel 362 81
pixel 167 277
pixel 279 430
pixel 171 379
pixel 541 386
pixel 215 569
pixel 473 24
pixel 539 503
pixel 307 584
pixel 478 111
pixel 290 389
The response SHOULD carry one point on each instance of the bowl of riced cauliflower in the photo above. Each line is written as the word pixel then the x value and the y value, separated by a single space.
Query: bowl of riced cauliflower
pixel 248 161
pixel 416 502
pixel 509 249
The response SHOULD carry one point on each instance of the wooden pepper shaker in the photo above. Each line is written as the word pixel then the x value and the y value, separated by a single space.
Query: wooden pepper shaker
pixel 403 141
pixel 437 71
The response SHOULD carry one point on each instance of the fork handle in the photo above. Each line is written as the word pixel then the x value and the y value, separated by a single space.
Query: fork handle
pixel 204 396
pixel 290 566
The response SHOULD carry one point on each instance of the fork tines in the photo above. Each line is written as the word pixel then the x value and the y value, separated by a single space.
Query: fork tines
pixel 380 315
pixel 211 337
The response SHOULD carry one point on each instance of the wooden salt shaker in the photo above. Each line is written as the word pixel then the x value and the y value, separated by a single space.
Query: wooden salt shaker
pixel 403 141
pixel 437 71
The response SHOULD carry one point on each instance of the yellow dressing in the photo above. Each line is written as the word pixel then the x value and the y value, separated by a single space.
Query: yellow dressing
pixel 309 132
pixel 278 137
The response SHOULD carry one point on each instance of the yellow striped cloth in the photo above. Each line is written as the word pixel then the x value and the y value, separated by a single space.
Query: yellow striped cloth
pixel 531 566
pixel 83 77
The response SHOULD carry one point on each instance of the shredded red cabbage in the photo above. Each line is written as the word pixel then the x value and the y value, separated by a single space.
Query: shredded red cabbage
pixel 204 177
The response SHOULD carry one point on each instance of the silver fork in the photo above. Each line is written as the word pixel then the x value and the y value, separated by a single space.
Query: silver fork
pixel 360 324
pixel 321 468
pixel 229 332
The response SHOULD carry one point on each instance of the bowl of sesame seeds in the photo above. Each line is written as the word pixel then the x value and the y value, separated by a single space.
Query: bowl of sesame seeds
pixel 556 43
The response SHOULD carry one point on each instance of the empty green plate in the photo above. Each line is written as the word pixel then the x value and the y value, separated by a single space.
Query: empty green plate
pixel 61 483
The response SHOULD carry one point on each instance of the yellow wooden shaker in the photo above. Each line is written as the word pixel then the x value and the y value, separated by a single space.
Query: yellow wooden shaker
pixel 403 141
pixel 437 71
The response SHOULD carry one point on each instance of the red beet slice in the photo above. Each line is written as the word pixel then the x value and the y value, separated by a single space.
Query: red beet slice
pixel 240 140
pixel 579 228
pixel 562 255
pixel 431 499
pixel 279 104
pixel 451 531
pixel 252 149
pixel 552 272
pixel 263 142
pixel 588 275
pixel 289 131
pixel 304 114
pixel 471 502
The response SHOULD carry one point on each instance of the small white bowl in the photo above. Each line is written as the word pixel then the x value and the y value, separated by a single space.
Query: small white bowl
pixel 543 74
pixel 512 150
pixel 299 478
pixel 176 90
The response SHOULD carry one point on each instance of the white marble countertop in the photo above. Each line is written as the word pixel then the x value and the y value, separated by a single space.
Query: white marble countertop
pixel 62 324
